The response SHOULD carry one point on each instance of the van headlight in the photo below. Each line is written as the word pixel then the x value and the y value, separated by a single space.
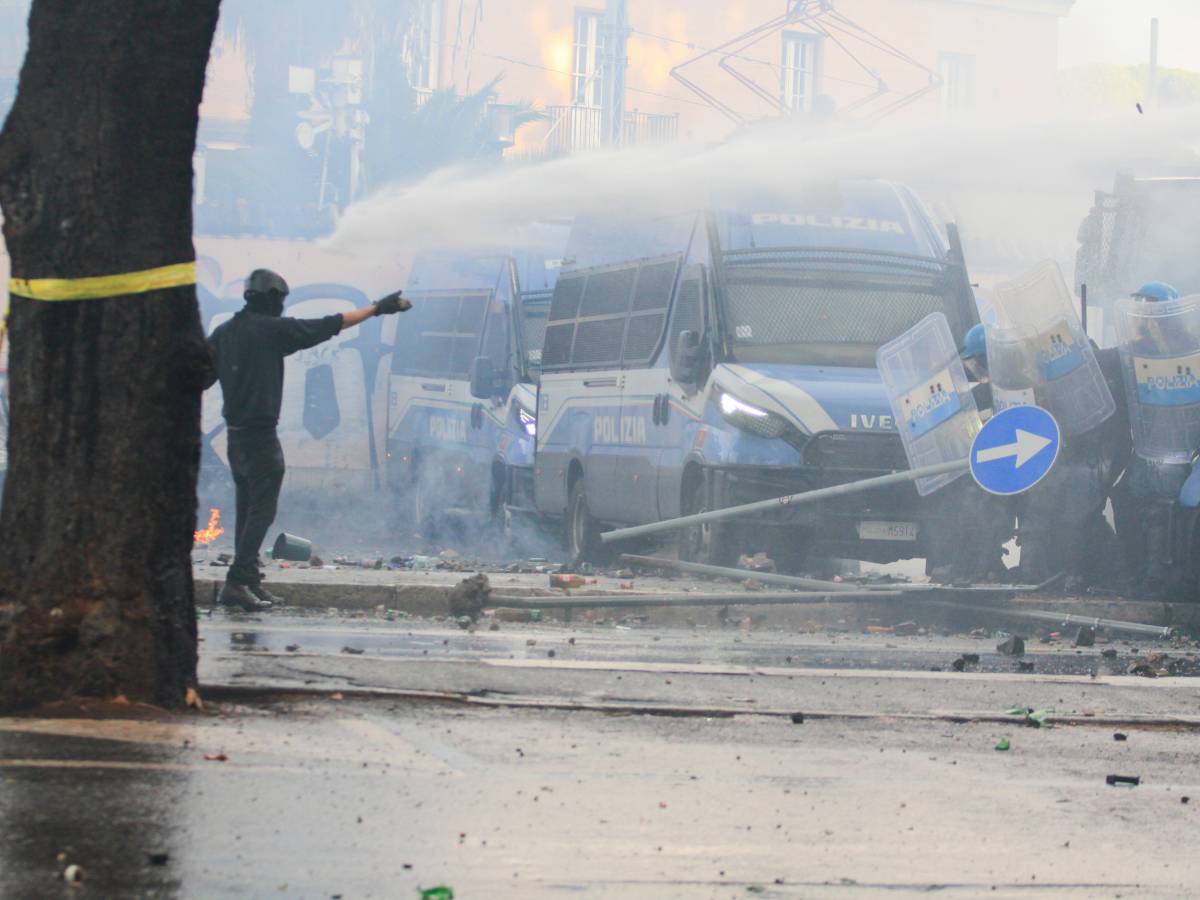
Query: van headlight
pixel 751 418
pixel 528 421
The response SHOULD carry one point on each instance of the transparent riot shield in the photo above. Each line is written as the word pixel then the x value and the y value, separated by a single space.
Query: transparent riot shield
pixel 930 397
pixel 1160 349
pixel 1042 352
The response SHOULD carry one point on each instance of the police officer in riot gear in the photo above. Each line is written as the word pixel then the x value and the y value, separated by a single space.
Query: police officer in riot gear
pixel 248 353
pixel 1154 481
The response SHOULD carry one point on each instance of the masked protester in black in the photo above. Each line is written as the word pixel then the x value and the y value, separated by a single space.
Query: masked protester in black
pixel 248 353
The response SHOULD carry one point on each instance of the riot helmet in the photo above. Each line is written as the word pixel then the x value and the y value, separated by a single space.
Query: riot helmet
pixel 265 291
pixel 1155 292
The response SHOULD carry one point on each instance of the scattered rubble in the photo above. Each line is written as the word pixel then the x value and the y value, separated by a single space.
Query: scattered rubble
pixel 1085 636
pixel 470 596
pixel 759 562
pixel 1014 646
pixel 1131 780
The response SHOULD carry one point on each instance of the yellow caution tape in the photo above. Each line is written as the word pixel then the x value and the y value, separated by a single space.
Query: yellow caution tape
pixel 102 286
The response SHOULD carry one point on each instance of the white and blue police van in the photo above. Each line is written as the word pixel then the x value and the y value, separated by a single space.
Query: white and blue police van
pixel 462 390
pixel 703 360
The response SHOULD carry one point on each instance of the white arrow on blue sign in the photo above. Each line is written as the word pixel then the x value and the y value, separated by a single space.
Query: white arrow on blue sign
pixel 1015 450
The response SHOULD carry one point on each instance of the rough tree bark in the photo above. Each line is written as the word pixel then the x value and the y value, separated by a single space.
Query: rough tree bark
pixel 99 504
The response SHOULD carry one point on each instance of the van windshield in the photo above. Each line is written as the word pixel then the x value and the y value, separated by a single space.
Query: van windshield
pixel 829 307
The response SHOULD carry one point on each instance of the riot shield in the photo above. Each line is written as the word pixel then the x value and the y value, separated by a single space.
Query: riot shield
pixel 930 397
pixel 1160 350
pixel 1043 353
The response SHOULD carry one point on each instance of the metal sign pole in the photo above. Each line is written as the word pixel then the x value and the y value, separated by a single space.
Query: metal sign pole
pixel 837 490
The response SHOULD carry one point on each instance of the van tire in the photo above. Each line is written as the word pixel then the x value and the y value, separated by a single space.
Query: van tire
pixel 713 544
pixel 581 531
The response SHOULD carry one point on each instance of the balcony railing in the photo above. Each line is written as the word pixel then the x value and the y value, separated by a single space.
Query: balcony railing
pixel 576 129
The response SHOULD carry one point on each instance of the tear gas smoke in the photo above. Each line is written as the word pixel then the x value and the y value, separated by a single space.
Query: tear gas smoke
pixel 1030 182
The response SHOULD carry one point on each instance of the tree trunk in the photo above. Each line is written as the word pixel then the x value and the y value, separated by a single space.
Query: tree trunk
pixel 99 504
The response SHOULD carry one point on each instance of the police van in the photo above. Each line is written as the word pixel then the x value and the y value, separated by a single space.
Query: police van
pixel 461 398
pixel 702 360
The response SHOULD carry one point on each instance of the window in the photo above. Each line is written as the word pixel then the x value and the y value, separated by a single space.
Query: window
pixel 798 71
pixel 497 339
pixel 609 316
pixel 444 339
pixel 689 312
pixel 424 45
pixel 957 71
pixel 585 73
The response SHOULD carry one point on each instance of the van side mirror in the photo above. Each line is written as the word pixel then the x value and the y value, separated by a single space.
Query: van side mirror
pixel 482 379
pixel 687 351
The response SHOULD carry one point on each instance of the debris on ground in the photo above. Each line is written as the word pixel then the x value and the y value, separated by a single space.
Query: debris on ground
pixel 1131 780
pixel 797 718
pixel 1085 636
pixel 292 648
pixel 759 562
pixel 1110 653
pixel 1014 646
pixel 73 874
pixel 1025 667
pixel 353 651
pixel 158 858
pixel 441 892
pixel 905 628
pixel 1003 745
pixel 1118 736
pixel 191 699
pixel 216 757
pixel 567 581
pixel 470 596
pixel 967 659
pixel 1034 718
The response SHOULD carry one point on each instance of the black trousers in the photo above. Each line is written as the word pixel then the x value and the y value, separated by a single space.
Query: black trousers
pixel 256 460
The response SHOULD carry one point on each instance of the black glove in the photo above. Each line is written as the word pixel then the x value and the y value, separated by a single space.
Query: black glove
pixel 391 304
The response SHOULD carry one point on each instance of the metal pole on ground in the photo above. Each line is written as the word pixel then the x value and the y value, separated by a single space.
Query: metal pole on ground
pixel 743 574
pixel 837 490
pixel 1041 615
pixel 765 598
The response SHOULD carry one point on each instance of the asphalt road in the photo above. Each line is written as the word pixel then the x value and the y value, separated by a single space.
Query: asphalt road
pixel 634 761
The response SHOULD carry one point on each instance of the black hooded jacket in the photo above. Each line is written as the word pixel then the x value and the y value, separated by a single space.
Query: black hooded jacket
pixel 248 352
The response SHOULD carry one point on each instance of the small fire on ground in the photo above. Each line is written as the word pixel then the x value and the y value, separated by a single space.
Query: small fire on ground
pixel 214 529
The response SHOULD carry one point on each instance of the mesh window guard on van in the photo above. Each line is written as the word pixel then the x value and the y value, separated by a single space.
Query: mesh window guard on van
pixel 609 315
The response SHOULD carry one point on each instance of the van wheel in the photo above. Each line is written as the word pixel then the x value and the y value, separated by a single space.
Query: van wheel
pixel 582 531
pixel 711 543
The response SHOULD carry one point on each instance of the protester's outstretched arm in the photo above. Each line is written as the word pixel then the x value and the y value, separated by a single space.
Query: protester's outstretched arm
pixel 390 305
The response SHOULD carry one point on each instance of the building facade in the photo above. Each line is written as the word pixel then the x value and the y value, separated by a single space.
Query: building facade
pixel 702 68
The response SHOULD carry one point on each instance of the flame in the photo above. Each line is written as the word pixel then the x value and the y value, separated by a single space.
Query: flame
pixel 214 529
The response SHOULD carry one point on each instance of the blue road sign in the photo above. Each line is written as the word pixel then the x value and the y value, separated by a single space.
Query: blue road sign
pixel 1015 449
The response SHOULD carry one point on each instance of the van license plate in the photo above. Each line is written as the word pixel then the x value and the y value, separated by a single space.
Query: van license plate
pixel 887 531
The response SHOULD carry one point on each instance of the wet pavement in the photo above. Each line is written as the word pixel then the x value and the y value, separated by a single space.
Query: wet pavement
pixel 351 798
pixel 613 759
